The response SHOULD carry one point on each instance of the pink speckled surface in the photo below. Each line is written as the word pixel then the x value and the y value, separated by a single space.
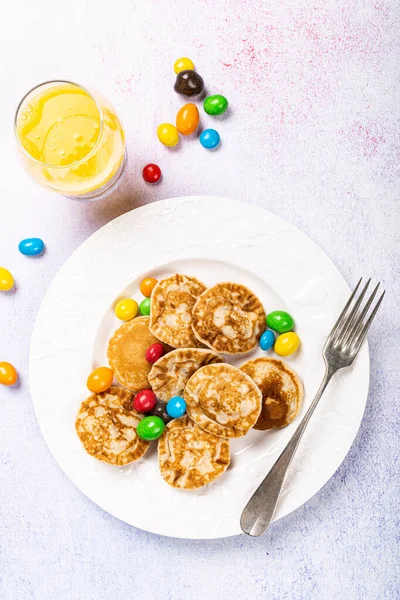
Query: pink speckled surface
pixel 313 135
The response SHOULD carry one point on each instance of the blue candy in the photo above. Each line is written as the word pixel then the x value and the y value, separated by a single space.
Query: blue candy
pixel 176 407
pixel 209 139
pixel 31 246
pixel 267 340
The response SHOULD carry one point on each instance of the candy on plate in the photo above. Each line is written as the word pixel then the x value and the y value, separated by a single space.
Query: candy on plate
pixel 100 380
pixel 126 309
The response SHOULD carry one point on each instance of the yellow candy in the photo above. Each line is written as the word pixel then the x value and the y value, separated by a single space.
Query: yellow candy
pixel 183 64
pixel 6 280
pixel 287 343
pixel 168 134
pixel 126 309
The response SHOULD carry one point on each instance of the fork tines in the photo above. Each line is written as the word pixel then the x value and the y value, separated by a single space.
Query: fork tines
pixel 354 321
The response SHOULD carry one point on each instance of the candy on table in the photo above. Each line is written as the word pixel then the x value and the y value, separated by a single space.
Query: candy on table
pixel 147 285
pixel 215 105
pixel 176 407
pixel 144 401
pixel 160 410
pixel 189 83
pixel 8 374
pixel 154 352
pixel 31 246
pixel 100 380
pixel 6 280
pixel 209 139
pixel 267 340
pixel 187 119
pixel 150 428
pixel 287 343
pixel 168 134
pixel 126 309
pixel 151 173
pixel 144 307
pixel 280 321
pixel 183 64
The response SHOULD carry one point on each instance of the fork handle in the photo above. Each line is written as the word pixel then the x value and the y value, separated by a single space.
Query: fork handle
pixel 259 511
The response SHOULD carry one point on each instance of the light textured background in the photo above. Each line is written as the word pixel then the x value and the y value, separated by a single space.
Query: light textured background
pixel 313 135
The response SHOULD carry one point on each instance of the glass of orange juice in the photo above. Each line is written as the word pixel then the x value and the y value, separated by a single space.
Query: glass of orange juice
pixel 70 139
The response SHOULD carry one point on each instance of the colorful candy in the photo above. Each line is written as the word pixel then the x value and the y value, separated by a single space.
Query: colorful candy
pixel 144 307
pixel 168 134
pixel 151 173
pixel 31 246
pixel 176 407
pixel 183 64
pixel 189 83
pixel 100 380
pixel 126 309
pixel 187 119
pixel 215 105
pixel 209 139
pixel 6 280
pixel 144 401
pixel 280 321
pixel 8 374
pixel 150 428
pixel 154 352
pixel 147 285
pixel 160 410
pixel 267 340
pixel 287 343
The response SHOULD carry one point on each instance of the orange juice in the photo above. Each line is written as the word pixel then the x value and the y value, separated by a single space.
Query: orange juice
pixel 71 140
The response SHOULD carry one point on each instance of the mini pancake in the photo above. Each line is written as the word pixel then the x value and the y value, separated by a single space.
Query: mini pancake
pixel 170 374
pixel 189 457
pixel 172 302
pixel 281 388
pixel 126 353
pixel 228 318
pixel 223 400
pixel 107 428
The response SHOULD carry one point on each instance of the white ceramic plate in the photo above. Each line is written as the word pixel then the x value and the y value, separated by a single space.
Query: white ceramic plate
pixel 214 239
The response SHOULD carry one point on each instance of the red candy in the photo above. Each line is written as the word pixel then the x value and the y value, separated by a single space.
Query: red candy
pixel 151 173
pixel 144 401
pixel 154 352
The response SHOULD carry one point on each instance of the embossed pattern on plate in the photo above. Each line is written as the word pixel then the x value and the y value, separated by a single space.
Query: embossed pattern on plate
pixel 214 239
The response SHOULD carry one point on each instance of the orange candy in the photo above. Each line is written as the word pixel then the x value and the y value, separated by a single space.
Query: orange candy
pixel 8 374
pixel 100 380
pixel 147 285
pixel 187 119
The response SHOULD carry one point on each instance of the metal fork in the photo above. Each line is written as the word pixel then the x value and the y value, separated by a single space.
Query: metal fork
pixel 340 350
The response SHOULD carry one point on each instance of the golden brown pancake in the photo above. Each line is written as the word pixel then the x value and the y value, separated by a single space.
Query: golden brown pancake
pixel 281 388
pixel 172 301
pixel 126 353
pixel 170 374
pixel 189 457
pixel 107 428
pixel 223 400
pixel 228 318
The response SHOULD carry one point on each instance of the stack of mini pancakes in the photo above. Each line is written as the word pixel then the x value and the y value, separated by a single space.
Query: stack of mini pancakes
pixel 197 325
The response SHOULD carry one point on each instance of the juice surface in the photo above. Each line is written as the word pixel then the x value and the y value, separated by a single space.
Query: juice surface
pixel 60 127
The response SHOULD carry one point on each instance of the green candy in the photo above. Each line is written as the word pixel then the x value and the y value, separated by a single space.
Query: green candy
pixel 144 307
pixel 215 105
pixel 280 321
pixel 150 428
